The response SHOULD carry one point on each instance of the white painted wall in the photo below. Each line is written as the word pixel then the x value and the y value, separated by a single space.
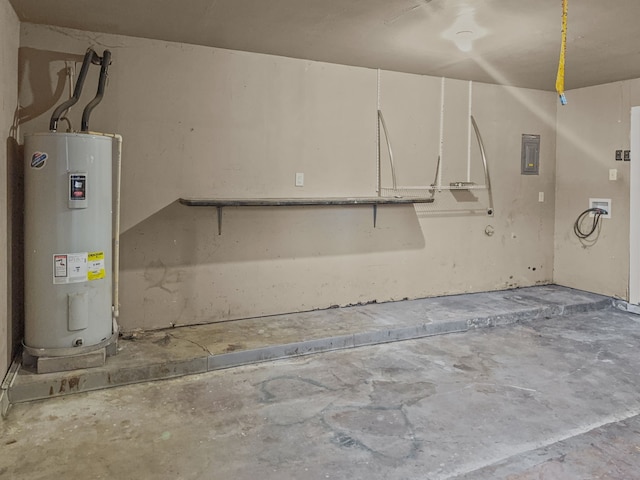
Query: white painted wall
pixel 201 121
pixel 594 124
pixel 9 38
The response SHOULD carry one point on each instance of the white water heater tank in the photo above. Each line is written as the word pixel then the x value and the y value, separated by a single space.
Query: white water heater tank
pixel 68 239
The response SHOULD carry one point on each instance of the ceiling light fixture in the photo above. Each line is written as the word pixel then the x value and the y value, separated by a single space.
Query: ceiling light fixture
pixel 464 40
pixel 464 31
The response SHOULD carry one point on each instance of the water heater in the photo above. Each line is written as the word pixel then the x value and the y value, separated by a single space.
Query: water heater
pixel 69 315
pixel 68 240
pixel 71 256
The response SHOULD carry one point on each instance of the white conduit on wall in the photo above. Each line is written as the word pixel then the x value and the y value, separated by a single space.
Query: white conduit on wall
pixel 378 167
pixel 116 232
pixel 116 236
pixel 441 146
pixel 469 132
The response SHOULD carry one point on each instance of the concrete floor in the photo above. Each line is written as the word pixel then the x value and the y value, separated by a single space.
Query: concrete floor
pixel 190 350
pixel 547 398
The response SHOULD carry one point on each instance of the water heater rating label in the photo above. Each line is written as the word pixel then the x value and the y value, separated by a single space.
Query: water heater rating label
pixel 95 269
pixel 78 267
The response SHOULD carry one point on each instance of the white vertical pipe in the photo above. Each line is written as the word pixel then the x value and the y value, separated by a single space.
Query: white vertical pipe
pixel 116 229
pixel 378 172
pixel 469 132
pixel 441 145
pixel 116 236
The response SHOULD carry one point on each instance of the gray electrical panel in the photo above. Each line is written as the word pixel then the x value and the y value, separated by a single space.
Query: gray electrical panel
pixel 530 158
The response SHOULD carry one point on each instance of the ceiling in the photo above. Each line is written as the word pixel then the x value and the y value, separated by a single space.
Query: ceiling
pixel 519 40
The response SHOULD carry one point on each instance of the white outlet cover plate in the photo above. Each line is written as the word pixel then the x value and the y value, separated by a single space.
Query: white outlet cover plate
pixel 604 203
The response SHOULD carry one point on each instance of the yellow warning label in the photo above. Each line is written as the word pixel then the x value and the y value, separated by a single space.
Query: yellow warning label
pixel 95 267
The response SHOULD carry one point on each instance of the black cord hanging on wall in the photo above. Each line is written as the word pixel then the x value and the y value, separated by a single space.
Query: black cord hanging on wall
pixel 577 226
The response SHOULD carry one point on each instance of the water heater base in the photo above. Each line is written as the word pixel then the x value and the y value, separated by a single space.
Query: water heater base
pixel 44 363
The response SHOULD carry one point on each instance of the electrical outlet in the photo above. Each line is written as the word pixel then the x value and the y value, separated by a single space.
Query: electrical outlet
pixel 627 155
pixel 618 155
pixel 299 179
pixel 613 174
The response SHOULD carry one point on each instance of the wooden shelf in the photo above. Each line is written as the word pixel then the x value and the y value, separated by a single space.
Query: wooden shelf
pixel 219 203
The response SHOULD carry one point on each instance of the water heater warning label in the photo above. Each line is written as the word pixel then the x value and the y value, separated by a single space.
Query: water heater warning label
pixel 59 267
pixel 78 267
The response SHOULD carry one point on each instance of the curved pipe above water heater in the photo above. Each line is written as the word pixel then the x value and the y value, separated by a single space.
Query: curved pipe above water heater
pixel 89 57
pixel 86 113
pixel 57 113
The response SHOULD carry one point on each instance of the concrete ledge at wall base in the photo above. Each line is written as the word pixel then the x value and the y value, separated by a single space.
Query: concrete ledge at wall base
pixel 532 314
pixel 4 403
pixel 7 383
pixel 169 354
pixel 41 387
pixel 626 307
pixel 279 352
pixel 298 349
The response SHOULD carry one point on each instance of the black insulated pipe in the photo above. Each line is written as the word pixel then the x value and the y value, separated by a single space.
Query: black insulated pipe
pixel 106 60
pixel 89 57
